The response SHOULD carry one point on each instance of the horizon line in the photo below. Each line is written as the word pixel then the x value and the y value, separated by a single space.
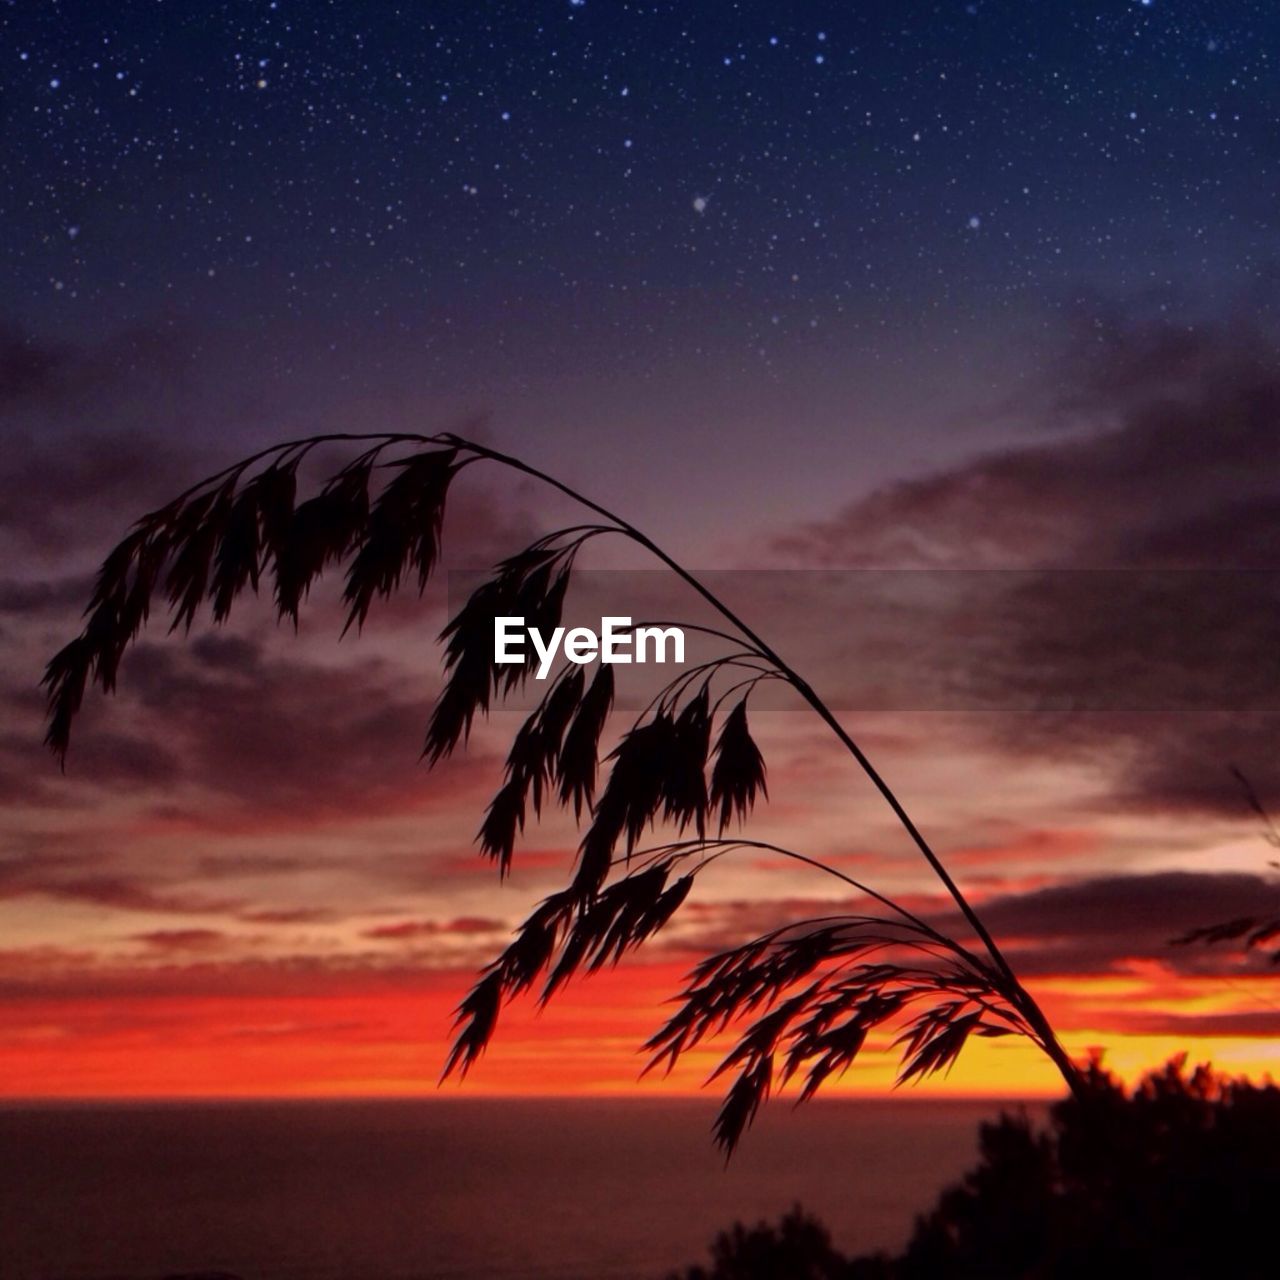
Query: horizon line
pixel 17 1102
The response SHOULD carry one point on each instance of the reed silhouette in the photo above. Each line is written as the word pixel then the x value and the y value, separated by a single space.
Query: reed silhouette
pixel 1177 1179
pixel 803 999
pixel 1261 929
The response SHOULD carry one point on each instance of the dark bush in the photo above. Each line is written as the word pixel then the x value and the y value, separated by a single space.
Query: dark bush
pixel 798 1248
pixel 1178 1179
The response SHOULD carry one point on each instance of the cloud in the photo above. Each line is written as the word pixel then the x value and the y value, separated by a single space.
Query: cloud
pixel 1104 924
pixel 184 940
pixel 1165 458
pixel 412 930
pixel 96 434
pixel 289 915
pixel 35 877
pixel 56 498
pixel 1124 907
pixel 1173 462
pixel 1132 619
pixel 222 732
pixel 39 376
pixel 1065 937
pixel 1095 925
pixel 1260 1024
pixel 56 597
pixel 220 866
pixel 75 462
pixel 27 369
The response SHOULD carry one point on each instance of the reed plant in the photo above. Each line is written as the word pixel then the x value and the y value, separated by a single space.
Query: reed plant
pixel 802 1000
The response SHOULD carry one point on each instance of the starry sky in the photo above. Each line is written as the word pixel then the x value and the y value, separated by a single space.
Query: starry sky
pixel 657 223
pixel 794 286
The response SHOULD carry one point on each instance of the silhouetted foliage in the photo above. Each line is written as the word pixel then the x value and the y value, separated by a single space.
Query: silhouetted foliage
pixel 834 1004
pixel 688 765
pixel 798 1248
pixel 1177 1179
pixel 1249 932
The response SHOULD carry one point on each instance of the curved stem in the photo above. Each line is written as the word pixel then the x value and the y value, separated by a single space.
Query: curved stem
pixel 1027 1004
pixel 912 920
pixel 304 443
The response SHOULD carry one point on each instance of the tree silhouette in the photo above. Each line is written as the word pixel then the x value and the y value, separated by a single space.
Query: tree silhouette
pixel 798 1248
pixel 1176 1179
pixel 803 998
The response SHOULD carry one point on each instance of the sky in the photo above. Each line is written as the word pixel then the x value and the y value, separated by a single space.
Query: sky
pixel 850 288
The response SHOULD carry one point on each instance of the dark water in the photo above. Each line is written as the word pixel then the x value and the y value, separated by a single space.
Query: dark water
pixel 479 1188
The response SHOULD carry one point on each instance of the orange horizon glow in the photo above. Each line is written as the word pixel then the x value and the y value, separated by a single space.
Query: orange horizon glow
pixel 389 1041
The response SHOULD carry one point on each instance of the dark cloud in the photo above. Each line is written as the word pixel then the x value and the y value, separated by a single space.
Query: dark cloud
pixel 1129 906
pixel 1138 624
pixel 56 498
pixel 34 877
pixel 224 729
pixel 97 435
pixel 77 457
pixel 29 974
pixel 42 378
pixel 1105 924
pixel 28 370
pixel 1092 926
pixel 265 734
pixel 1112 925
pixel 283 735
pixel 52 596
pixel 111 760
pixel 1261 1024
pixel 1175 434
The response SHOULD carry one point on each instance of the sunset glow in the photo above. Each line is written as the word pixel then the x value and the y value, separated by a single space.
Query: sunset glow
pixel 983 505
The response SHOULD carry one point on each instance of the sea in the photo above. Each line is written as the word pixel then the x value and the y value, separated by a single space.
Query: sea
pixel 499 1189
